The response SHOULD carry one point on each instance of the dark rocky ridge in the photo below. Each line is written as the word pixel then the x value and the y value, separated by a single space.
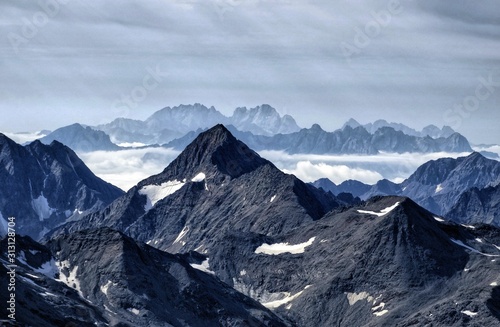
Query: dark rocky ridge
pixel 477 206
pixel 405 260
pixel 117 282
pixel 438 184
pixel 44 185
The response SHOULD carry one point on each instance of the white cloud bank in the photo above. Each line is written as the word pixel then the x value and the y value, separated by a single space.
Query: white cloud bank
pixel 309 172
pixel 128 167
pixel 365 168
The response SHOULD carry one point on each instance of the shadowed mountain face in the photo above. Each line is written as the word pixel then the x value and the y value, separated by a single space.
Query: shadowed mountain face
pixel 102 277
pixel 388 262
pixel 477 206
pixel 438 184
pixel 215 185
pixel 45 185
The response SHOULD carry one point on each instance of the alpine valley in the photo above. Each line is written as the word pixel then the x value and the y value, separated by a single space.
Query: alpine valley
pixel 222 237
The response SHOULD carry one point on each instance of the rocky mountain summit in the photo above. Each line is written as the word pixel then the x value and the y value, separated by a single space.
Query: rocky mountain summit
pixel 216 179
pixel 46 185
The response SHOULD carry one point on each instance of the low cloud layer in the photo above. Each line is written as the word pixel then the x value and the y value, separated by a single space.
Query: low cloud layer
pixel 309 172
pixel 367 169
pixel 126 168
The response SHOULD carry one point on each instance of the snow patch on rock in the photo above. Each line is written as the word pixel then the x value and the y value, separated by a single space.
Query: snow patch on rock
pixel 69 279
pixel 352 298
pixel 155 193
pixel 48 269
pixel 288 298
pixel 280 248
pixel 382 212
pixel 104 288
pixel 199 178
pixel 181 234
pixel 204 266
pixel 469 313
pixel 460 243
pixel 42 208
pixel 439 188
pixel 134 311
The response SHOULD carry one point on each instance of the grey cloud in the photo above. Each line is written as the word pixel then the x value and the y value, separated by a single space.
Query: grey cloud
pixel 230 53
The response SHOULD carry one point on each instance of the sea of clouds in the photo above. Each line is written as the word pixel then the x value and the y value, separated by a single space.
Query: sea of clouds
pixel 126 168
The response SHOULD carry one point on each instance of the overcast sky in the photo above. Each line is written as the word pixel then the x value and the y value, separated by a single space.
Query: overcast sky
pixel 415 62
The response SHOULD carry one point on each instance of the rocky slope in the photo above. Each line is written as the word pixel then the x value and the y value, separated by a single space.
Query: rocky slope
pixel 438 184
pixel 45 185
pixel 477 206
pixel 388 262
pixel 103 278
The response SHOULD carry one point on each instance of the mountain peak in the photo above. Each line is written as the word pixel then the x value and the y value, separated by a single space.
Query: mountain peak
pixel 316 127
pixel 213 151
pixel 5 140
pixel 352 123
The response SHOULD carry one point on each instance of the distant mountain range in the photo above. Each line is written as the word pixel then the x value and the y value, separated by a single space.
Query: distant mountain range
pixel 81 139
pixel 262 128
pixel 45 185
pixel 463 189
pixel 170 123
pixel 348 140
pixel 430 130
